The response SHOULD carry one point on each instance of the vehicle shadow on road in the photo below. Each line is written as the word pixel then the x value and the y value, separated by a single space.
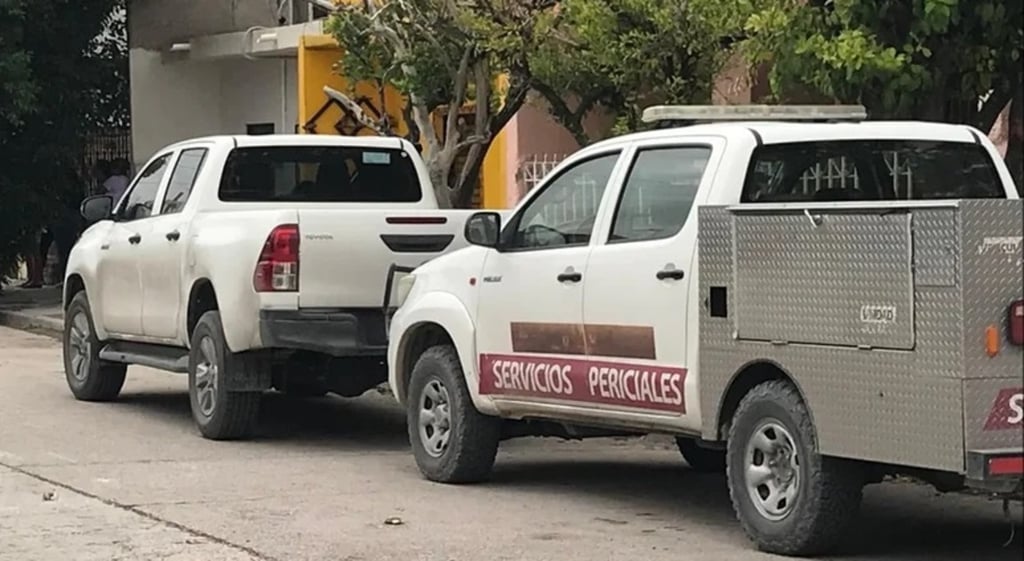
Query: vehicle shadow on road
pixel 367 423
pixel 901 522
pixel 940 530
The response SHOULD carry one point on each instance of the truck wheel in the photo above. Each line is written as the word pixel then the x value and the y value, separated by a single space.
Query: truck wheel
pixel 451 440
pixel 789 499
pixel 220 414
pixel 703 460
pixel 89 377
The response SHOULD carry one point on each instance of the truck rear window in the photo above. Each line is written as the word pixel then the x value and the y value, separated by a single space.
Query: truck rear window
pixel 871 170
pixel 319 174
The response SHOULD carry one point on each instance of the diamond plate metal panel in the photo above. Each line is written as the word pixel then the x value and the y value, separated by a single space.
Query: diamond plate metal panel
pixel 992 253
pixel 900 407
pixel 936 247
pixel 846 281
pixel 865 405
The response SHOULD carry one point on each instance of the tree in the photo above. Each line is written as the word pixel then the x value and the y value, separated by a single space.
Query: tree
pixel 50 81
pixel 623 55
pixel 442 55
pixel 943 60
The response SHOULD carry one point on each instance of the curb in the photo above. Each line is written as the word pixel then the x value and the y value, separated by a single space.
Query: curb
pixel 28 322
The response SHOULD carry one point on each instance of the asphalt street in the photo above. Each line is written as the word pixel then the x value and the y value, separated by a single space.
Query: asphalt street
pixel 132 480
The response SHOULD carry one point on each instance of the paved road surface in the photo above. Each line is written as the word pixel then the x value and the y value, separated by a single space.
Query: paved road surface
pixel 131 480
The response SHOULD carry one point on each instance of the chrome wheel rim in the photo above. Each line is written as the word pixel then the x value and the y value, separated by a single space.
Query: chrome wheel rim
pixel 435 421
pixel 79 346
pixel 772 470
pixel 206 383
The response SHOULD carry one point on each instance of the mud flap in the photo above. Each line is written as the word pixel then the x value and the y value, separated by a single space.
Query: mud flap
pixel 247 372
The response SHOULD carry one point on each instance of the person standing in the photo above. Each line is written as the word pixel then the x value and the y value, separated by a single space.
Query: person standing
pixel 68 223
pixel 117 183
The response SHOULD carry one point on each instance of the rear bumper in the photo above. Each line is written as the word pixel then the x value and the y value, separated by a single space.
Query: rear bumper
pixel 996 470
pixel 336 332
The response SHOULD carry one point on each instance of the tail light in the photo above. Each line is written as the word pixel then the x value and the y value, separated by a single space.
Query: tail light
pixel 278 267
pixel 1016 322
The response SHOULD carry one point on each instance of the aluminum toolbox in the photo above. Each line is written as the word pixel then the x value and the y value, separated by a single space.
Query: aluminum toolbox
pixel 878 312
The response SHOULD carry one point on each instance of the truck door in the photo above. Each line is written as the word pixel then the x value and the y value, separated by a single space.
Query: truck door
pixel 641 283
pixel 118 272
pixel 530 311
pixel 163 258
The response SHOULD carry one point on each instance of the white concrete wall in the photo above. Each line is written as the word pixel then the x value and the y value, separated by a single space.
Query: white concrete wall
pixel 263 91
pixel 175 99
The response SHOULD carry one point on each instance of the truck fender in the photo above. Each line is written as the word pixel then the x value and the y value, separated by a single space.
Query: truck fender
pixel 446 311
pixel 751 374
pixel 237 303
pixel 81 273
pixel 82 281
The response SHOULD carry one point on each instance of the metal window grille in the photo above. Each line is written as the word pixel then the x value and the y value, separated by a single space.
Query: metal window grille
pixel 105 145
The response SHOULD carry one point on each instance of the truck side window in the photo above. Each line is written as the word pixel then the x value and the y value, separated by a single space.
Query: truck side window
pixel 563 214
pixel 139 202
pixel 871 170
pixel 659 191
pixel 182 179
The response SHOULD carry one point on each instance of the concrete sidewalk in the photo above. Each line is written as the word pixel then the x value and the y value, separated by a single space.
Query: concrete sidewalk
pixel 36 309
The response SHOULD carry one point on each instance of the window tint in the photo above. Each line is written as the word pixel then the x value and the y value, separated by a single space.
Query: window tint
pixel 182 179
pixel 871 170
pixel 659 192
pixel 321 174
pixel 139 202
pixel 564 213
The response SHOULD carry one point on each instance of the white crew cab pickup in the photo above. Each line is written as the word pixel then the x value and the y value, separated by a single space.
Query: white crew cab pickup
pixel 806 306
pixel 250 262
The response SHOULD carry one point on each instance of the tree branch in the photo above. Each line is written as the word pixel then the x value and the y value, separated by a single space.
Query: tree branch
pixel 571 120
pixel 458 99
pixel 420 113
pixel 356 111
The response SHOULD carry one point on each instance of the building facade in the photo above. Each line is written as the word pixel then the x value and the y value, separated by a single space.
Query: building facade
pixel 201 67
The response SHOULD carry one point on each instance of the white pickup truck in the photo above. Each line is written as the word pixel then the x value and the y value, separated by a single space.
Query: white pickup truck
pixel 806 306
pixel 250 262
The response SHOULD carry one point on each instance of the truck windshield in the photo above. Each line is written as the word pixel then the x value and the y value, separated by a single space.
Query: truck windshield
pixel 319 174
pixel 871 170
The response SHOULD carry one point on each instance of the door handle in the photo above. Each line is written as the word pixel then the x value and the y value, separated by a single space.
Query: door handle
pixel 570 277
pixel 173 236
pixel 674 274
pixel 135 238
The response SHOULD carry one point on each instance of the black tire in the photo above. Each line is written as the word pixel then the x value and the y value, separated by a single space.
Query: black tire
pixel 222 415
pixel 472 441
pixel 88 377
pixel 828 490
pixel 703 460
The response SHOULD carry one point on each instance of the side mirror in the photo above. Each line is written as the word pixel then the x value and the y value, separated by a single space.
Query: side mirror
pixel 483 229
pixel 97 208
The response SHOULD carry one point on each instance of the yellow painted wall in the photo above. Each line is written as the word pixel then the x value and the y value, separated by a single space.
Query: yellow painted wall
pixel 318 57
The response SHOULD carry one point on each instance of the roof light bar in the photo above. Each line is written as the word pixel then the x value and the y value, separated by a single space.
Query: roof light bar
pixel 695 114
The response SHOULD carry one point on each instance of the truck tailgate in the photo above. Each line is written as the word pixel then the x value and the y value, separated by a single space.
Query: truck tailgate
pixel 344 256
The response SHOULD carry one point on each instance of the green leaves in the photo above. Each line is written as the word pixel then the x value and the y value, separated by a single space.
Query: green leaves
pixel 58 82
pixel 621 55
pixel 928 59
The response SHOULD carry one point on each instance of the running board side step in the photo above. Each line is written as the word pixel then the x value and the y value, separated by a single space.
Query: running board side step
pixel 171 359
